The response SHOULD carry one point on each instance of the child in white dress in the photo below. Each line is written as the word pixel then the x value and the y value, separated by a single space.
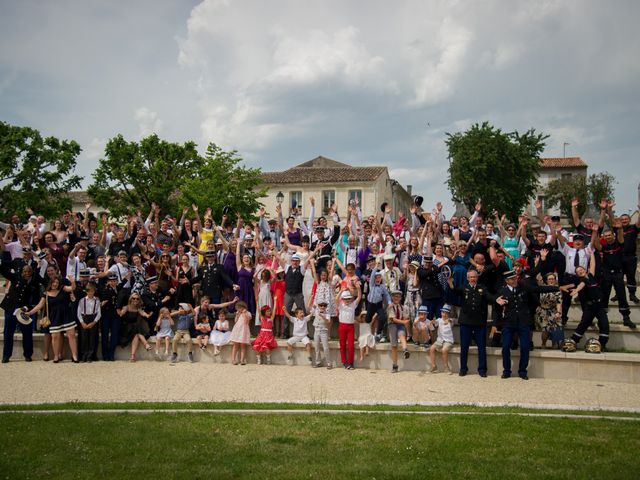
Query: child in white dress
pixel 164 331
pixel 220 334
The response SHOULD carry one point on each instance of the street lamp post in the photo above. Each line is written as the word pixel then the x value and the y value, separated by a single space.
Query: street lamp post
pixel 280 197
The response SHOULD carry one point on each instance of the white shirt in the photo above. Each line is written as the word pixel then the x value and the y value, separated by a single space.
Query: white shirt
pixel 347 312
pixel 89 306
pixel 320 319
pixel 121 273
pixel 74 265
pixel 445 331
pixel 570 255
pixel 300 326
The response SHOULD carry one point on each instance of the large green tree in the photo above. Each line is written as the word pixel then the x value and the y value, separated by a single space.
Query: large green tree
pixel 498 167
pixel 133 175
pixel 223 181
pixel 35 172
pixel 588 191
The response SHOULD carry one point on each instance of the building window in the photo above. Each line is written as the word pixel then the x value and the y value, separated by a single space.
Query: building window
pixel 566 176
pixel 543 201
pixel 328 198
pixel 295 200
pixel 355 195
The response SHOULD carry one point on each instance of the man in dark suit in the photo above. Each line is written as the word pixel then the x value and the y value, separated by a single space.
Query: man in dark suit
pixel 473 321
pixel 212 278
pixel 24 292
pixel 514 297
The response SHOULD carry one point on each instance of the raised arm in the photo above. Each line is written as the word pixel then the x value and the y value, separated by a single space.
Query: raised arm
pixel 574 211
pixel 238 257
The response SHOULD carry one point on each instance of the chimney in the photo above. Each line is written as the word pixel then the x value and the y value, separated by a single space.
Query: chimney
pixel 409 188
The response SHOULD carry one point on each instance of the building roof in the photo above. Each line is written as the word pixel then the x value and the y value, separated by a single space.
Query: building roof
pixel 323 170
pixel 566 162
pixel 79 196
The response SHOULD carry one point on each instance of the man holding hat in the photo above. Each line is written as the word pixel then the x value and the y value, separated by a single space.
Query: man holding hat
pixel 517 319
pixel 272 228
pixel 325 245
pixel 23 293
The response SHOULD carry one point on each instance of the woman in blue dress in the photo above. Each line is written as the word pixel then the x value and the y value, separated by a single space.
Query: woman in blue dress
pixel 510 241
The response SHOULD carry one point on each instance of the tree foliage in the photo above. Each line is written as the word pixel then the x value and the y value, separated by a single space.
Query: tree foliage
pixel 222 181
pixel 589 191
pixel 134 174
pixel 35 172
pixel 499 168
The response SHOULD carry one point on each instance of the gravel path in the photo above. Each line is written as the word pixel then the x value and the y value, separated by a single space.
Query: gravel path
pixel 44 382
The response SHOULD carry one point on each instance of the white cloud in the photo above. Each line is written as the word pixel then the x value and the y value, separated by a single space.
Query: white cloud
pixel 441 73
pixel 95 150
pixel 358 81
pixel 148 122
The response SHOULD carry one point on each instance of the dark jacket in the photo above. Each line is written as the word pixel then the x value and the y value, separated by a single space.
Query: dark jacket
pixel 212 279
pixel 22 293
pixel 518 311
pixel 475 300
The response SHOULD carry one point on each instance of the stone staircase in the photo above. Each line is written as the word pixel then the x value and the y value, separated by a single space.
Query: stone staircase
pixel 621 365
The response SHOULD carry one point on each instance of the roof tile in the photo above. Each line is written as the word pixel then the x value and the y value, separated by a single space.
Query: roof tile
pixel 567 162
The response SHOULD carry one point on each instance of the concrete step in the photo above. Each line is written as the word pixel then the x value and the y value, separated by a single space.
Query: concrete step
pixel 616 367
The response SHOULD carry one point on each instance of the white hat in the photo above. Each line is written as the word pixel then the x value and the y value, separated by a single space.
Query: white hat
pixel 185 306
pixel 346 295
pixel 22 316
pixel 295 256
pixel 389 256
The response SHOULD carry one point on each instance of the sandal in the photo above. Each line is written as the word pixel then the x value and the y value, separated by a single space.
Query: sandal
pixel 148 347
pixel 132 359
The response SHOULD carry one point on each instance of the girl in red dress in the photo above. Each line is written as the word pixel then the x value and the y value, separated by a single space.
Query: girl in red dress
pixel 277 291
pixel 265 341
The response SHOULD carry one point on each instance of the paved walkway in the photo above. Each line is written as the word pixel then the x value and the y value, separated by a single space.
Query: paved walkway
pixel 45 382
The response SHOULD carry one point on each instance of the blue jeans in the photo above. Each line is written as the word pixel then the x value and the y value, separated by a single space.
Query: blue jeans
pixel 507 335
pixel 480 335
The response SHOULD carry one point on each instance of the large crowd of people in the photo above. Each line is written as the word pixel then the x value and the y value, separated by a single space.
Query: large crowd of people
pixel 400 277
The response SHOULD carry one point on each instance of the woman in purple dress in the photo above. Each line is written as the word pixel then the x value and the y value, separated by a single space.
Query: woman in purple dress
pixel 244 266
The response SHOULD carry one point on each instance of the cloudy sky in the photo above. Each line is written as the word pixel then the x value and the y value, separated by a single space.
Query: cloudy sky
pixel 364 82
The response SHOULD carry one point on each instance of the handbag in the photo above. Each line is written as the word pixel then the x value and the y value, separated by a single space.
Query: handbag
pixel 45 322
pixel 556 334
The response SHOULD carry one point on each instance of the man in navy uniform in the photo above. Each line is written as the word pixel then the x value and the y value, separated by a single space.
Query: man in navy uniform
pixel 517 318
pixel 24 292
pixel 212 278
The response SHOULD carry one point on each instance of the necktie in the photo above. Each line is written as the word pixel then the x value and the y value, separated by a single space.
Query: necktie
pixel 576 260
pixel 397 312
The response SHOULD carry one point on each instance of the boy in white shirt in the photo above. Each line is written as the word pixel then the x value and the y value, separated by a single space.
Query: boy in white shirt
pixel 421 327
pixel 444 341
pixel 346 326
pixel 300 333
pixel 398 316
pixel 321 325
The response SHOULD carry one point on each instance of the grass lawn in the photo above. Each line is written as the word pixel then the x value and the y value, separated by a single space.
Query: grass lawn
pixel 186 445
